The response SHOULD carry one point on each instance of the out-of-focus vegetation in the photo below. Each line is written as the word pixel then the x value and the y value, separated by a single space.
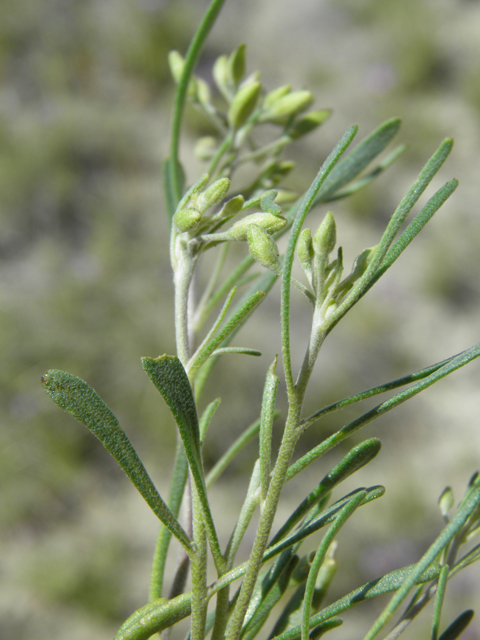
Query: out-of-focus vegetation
pixel 86 284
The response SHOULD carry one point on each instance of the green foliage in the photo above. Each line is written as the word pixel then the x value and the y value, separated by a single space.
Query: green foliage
pixel 275 572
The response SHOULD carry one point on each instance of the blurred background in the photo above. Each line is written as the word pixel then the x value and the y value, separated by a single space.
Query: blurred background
pixel 86 284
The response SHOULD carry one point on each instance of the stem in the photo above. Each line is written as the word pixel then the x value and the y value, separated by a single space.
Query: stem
pixel 180 96
pixel 199 571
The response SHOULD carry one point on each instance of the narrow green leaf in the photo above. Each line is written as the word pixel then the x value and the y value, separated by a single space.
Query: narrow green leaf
pixel 207 417
pixel 368 149
pixel 449 532
pixel 266 425
pixel 170 378
pixel 83 403
pixel 247 436
pixel 239 317
pixel 450 366
pixel 155 617
pixel 355 459
pixel 439 597
pixel 177 489
pixel 323 628
pixel 240 350
pixel 171 201
pixel 343 515
pixel 396 221
pixel 369 393
pixel 458 626
pixel 388 583
pixel 272 592
pixel 325 517
pixel 469 558
pixel 363 182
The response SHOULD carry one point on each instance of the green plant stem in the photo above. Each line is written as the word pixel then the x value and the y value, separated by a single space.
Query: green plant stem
pixel 182 279
pixel 199 570
pixel 180 96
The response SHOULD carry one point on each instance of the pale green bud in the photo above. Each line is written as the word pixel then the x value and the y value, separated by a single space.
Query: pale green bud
pixel 203 91
pixel 308 123
pixel 274 95
pixel 243 104
pixel 187 219
pixel 326 235
pixel 446 501
pixel 215 193
pixel 176 64
pixel 362 262
pixel 287 106
pixel 231 207
pixel 267 221
pixel 285 196
pixel 262 247
pixel 305 250
pixel 236 65
pixel 205 148
pixel 221 75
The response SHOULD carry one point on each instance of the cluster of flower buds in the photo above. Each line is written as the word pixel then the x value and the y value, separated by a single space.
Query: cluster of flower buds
pixel 193 219
pixel 248 105
pixel 324 275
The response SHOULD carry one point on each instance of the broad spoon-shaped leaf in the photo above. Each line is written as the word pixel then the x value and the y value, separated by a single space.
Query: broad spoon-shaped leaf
pixel 83 403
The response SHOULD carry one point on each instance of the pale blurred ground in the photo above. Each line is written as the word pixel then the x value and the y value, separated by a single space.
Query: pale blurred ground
pixel 86 286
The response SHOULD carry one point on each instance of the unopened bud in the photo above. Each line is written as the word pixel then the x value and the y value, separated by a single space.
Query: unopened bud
pixel 305 250
pixel 203 91
pixel 187 219
pixel 262 247
pixel 231 207
pixel 285 107
pixel 275 95
pixel 308 123
pixel 446 501
pixel 220 75
pixel 362 262
pixel 176 64
pixel 213 195
pixel 267 221
pixel 205 148
pixel 243 104
pixel 236 65
pixel 285 196
pixel 326 235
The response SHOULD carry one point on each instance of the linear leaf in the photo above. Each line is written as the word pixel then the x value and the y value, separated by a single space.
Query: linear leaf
pixel 348 168
pixel 450 366
pixel 458 626
pixel 207 418
pixel 355 459
pixel 83 403
pixel 155 617
pixel 170 378
pixel 439 597
pixel 266 425
pixel 388 583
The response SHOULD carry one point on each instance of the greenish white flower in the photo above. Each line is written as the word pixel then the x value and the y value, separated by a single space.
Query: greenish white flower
pixel 267 221
pixel 243 104
pixel 262 247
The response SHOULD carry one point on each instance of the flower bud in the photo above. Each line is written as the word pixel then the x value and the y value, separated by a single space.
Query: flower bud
pixel 187 219
pixel 262 247
pixel 231 207
pixel 268 204
pixel 362 262
pixel 220 75
pixel 203 91
pixel 285 196
pixel 446 501
pixel 286 106
pixel 267 221
pixel 308 122
pixel 205 148
pixel 326 235
pixel 236 65
pixel 274 95
pixel 213 195
pixel 243 104
pixel 176 64
pixel 305 250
